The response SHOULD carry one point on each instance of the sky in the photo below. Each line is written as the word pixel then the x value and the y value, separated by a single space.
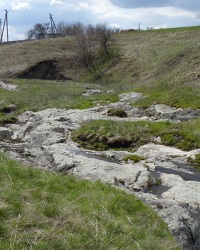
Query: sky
pixel 122 14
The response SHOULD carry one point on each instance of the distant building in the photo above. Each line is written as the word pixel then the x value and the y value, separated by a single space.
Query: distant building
pixel 47 35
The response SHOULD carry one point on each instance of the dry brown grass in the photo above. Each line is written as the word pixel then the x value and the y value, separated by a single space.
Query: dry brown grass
pixel 152 62
pixel 15 58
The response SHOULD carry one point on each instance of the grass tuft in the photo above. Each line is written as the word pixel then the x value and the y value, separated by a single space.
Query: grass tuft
pixel 131 135
pixel 134 158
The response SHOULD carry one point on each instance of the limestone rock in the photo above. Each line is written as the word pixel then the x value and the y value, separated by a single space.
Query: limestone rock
pixel 185 193
pixel 171 180
pixel 161 111
pixel 131 97
pixel 179 220
pixel 92 92
pixel 152 149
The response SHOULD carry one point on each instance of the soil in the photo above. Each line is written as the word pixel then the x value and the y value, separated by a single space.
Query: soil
pixel 46 70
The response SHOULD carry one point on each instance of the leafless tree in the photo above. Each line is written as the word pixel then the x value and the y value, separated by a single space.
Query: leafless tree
pixel 104 35
pixel 86 53
pixel 68 29
pixel 93 44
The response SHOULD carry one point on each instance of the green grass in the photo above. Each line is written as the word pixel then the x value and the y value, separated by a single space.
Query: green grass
pixel 45 210
pixel 184 95
pixel 195 161
pixel 163 64
pixel 102 135
pixel 134 158
pixel 37 95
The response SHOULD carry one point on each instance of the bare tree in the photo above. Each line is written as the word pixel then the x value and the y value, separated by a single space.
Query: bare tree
pixel 93 44
pixel 104 35
pixel 38 30
pixel 86 48
pixel 68 29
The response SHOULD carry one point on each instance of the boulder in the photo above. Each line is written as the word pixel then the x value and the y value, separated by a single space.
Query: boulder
pixel 154 150
pixel 130 97
pixel 171 180
pixel 161 111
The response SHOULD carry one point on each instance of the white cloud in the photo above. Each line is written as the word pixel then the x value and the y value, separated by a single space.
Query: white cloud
pixel 56 2
pixel 14 34
pixel 2 4
pixel 104 11
pixel 172 12
pixel 101 7
pixel 18 5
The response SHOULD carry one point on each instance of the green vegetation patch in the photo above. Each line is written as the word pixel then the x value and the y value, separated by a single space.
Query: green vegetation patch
pixel 45 210
pixel 195 161
pixel 175 95
pixel 35 95
pixel 134 158
pixel 102 134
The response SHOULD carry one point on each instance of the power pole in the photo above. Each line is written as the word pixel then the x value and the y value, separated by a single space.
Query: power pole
pixel 0 29
pixel 6 17
pixel 53 26
pixel 5 24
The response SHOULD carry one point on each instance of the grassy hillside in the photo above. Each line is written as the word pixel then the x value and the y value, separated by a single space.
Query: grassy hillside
pixel 164 64
pixel 19 57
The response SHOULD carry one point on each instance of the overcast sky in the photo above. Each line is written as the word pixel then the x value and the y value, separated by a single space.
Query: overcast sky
pixel 123 14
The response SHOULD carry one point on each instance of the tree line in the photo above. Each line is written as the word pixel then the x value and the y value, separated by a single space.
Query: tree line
pixel 94 43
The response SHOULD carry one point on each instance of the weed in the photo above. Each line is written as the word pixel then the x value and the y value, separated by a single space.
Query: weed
pixel 195 160
pixel 158 181
pixel 134 158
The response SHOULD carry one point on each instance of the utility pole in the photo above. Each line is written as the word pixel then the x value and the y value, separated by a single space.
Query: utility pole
pixel 0 29
pixel 6 17
pixel 139 26
pixel 5 24
pixel 53 26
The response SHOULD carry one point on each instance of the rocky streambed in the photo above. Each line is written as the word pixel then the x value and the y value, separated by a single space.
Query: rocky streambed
pixel 164 180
